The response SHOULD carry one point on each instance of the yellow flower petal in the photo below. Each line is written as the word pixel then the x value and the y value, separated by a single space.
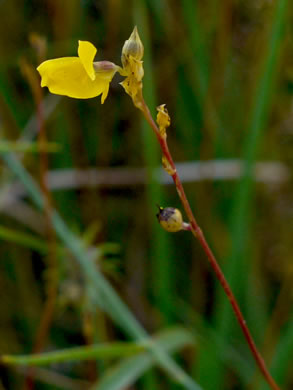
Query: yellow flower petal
pixel 105 94
pixel 67 76
pixel 78 77
pixel 86 53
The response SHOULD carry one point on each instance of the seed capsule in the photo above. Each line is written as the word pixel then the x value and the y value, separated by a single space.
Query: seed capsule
pixel 170 219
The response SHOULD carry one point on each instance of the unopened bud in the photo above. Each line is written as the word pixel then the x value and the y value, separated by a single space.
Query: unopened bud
pixel 167 166
pixel 163 118
pixel 132 47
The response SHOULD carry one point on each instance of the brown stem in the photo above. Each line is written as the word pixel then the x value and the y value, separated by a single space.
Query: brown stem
pixel 197 232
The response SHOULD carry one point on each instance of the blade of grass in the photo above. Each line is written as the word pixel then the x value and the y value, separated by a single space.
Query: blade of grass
pixel 209 341
pixel 179 337
pixel 55 380
pixel 9 101
pixel 282 362
pixel 101 351
pixel 125 373
pixel 32 147
pixel 65 201
pixel 49 105
pixel 25 239
pixel 198 45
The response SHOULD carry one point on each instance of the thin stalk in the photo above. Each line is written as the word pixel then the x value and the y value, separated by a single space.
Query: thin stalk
pixel 197 232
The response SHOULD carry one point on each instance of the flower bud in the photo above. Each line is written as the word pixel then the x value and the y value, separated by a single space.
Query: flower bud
pixel 168 167
pixel 163 118
pixel 132 47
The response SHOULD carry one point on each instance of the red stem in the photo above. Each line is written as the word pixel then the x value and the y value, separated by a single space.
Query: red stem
pixel 197 232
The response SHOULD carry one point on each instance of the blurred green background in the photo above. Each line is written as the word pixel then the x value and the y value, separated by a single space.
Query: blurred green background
pixel 225 71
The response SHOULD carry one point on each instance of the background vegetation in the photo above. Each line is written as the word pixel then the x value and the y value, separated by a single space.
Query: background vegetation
pixel 224 69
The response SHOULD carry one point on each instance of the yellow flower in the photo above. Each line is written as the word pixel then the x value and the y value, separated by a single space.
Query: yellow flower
pixel 78 77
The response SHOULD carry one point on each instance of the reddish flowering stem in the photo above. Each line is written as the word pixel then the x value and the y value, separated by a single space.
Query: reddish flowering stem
pixel 197 232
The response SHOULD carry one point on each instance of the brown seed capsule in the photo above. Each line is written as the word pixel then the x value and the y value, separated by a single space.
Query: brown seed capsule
pixel 170 219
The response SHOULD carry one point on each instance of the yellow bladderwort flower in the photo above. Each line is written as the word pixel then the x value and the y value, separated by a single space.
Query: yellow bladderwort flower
pixel 78 77
pixel 132 53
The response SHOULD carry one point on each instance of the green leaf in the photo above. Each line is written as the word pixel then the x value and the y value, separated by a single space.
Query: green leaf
pixel 24 239
pixel 100 351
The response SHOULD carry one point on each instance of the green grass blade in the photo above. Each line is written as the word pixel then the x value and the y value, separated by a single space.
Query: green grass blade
pixel 129 370
pixel 49 105
pixel 49 147
pixel 198 45
pixel 101 351
pixel 24 239
pixel 283 358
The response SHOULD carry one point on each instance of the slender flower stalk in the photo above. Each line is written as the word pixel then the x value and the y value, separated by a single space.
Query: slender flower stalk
pixel 197 232
pixel 134 88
